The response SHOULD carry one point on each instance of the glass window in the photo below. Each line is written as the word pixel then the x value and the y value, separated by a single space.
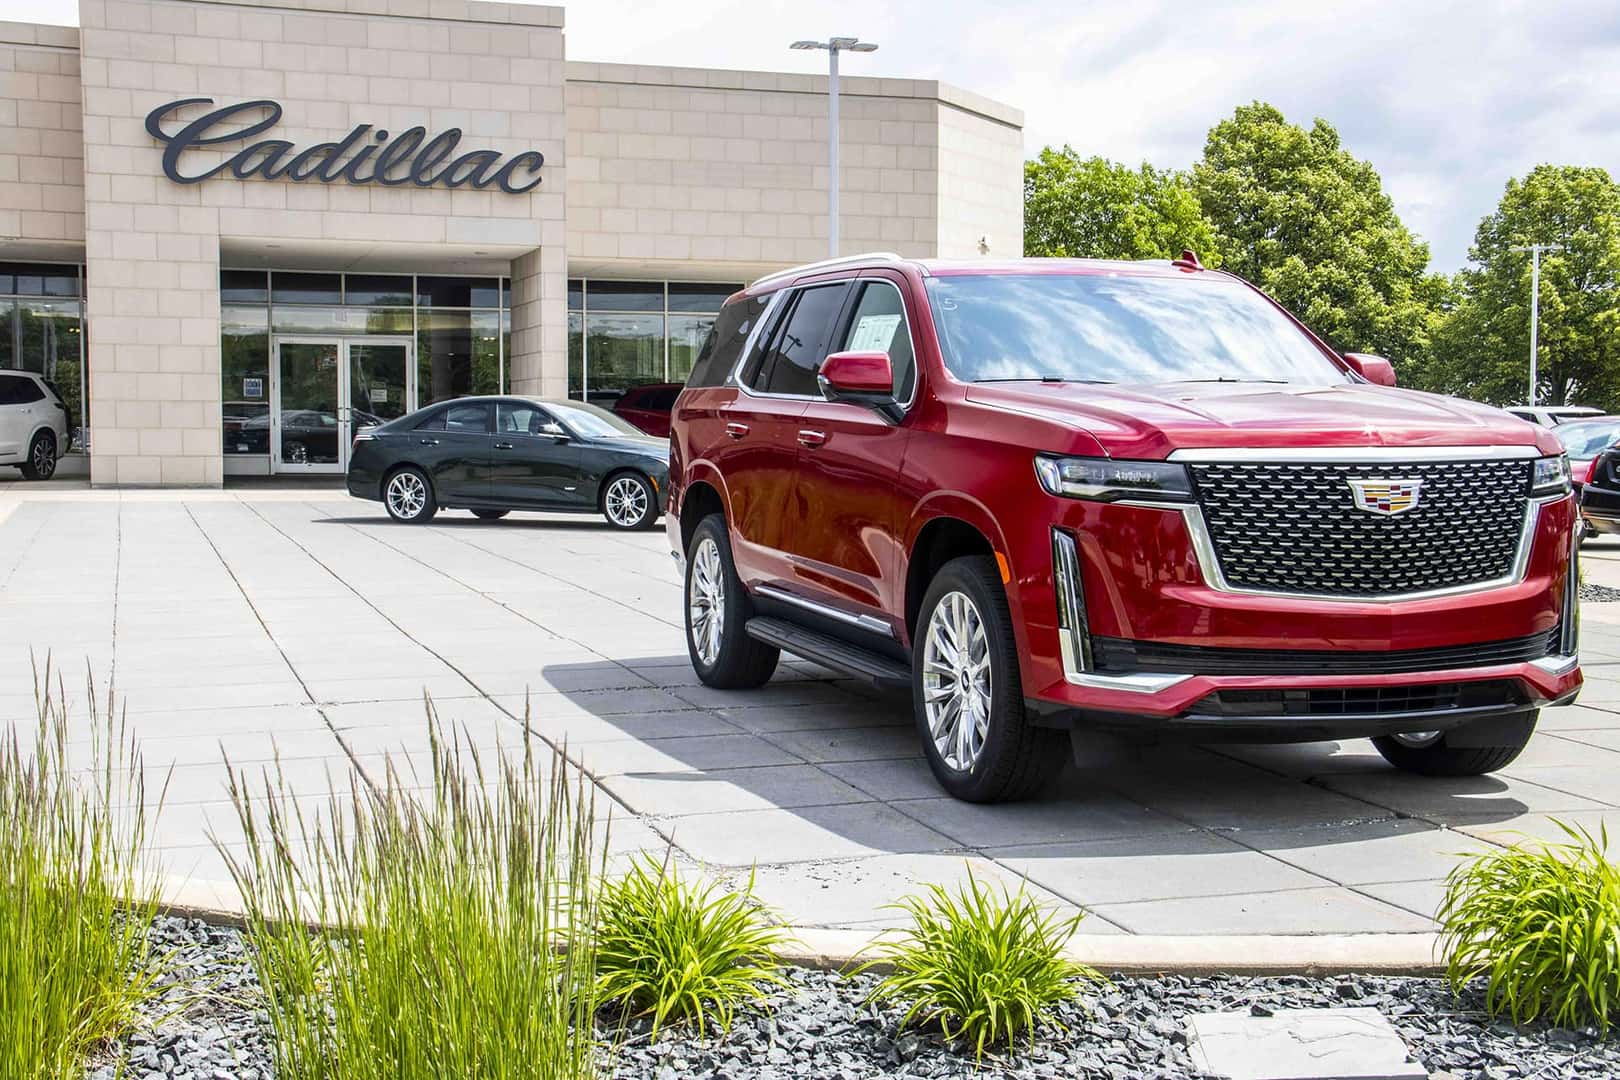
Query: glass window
pixel 39 279
pixel 576 355
pixel 576 294
pixel 459 292
pixel 626 296
pixel 467 418
pixel 292 319
pixel 295 288
pixel 520 418
pixel 8 337
pixel 11 389
pixel 1117 328
pixel 1588 439
pixel 377 289
pixel 623 351
pixel 689 296
pixel 49 337
pixel 486 352
pixel 506 351
pixel 687 333
pixel 799 344
pixel 879 325
pixel 244 287
pixel 457 353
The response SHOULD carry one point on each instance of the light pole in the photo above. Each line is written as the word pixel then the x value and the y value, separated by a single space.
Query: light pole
pixel 1535 251
pixel 834 46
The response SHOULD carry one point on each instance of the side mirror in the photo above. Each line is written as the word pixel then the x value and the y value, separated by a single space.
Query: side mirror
pixel 555 430
pixel 1375 369
pixel 866 378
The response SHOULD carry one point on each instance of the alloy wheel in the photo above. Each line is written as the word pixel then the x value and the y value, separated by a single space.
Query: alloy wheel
pixel 626 501
pixel 706 601
pixel 407 495
pixel 44 462
pixel 956 681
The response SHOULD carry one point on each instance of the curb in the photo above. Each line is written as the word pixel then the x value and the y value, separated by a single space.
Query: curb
pixel 1314 955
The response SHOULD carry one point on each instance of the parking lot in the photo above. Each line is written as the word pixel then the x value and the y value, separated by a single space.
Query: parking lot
pixel 295 620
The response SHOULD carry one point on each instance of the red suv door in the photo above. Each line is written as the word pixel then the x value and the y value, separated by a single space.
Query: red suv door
pixel 759 451
pixel 843 515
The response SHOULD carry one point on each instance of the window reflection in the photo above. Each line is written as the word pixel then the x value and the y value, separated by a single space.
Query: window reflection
pixel 42 330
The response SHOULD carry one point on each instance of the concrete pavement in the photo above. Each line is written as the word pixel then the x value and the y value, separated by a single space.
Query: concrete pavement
pixel 260 619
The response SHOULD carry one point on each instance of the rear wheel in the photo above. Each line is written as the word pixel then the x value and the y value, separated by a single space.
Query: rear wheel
pixel 967 693
pixel 490 515
pixel 717 607
pixel 41 461
pixel 409 497
pixel 1431 753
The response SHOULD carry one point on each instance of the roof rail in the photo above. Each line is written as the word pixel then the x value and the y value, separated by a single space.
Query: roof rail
pixel 829 264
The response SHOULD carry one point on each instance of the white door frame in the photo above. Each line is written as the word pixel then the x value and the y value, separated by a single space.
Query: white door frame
pixel 345 407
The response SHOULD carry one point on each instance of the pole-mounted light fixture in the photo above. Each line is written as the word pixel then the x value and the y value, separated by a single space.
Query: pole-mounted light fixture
pixel 833 47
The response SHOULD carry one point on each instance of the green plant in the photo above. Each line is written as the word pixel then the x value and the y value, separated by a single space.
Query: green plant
pixel 675 950
pixel 76 899
pixel 453 922
pixel 1541 923
pixel 985 967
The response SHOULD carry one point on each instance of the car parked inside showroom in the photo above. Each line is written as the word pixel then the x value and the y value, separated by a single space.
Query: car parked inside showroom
pixel 647 407
pixel 493 455
pixel 1048 496
pixel 34 424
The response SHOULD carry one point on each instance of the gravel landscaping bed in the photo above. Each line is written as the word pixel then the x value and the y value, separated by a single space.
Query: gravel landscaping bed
pixel 1598 594
pixel 204 1027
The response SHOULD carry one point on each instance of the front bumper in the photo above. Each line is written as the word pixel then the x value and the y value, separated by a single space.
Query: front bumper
pixel 1215 664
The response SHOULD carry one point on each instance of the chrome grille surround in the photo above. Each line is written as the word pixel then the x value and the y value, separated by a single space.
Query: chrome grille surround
pixel 1283 523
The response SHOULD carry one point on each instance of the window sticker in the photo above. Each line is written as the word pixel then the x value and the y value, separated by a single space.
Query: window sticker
pixel 874 333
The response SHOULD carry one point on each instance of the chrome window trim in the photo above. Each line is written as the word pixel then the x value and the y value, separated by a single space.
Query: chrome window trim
pixel 776 300
pixel 1351 455
pixel 864 622
pixel 1209 565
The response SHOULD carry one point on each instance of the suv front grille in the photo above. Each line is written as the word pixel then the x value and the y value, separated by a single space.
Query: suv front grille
pixel 1291 527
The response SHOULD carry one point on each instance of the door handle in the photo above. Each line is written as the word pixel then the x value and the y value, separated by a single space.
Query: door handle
pixel 736 430
pixel 429 442
pixel 503 446
pixel 812 438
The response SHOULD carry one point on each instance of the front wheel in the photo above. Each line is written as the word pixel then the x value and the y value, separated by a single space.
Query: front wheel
pixel 630 502
pixel 717 608
pixel 967 693
pixel 1432 753
pixel 41 461
pixel 409 497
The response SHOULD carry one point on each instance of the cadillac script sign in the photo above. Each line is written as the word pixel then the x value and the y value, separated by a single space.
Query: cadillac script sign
pixel 363 156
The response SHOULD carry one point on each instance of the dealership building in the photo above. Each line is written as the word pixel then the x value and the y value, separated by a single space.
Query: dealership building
pixel 230 232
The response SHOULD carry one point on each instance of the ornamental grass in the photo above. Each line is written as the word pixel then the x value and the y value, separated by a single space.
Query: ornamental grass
pixel 77 898
pixel 456 919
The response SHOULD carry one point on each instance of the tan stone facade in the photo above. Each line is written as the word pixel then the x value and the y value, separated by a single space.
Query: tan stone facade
pixel 676 174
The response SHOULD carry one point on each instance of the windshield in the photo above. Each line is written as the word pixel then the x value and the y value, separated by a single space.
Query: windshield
pixel 589 422
pixel 1588 439
pixel 1118 328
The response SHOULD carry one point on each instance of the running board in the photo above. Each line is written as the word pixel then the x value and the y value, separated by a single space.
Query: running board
pixel 828 651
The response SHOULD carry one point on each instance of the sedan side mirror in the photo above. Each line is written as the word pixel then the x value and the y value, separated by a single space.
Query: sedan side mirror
pixel 861 378
pixel 1375 369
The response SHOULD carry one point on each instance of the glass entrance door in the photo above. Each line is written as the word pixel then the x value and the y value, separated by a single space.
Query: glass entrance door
pixel 327 387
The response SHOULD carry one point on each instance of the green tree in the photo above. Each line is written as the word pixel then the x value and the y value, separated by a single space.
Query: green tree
pixel 1092 208
pixel 1300 216
pixel 1482 347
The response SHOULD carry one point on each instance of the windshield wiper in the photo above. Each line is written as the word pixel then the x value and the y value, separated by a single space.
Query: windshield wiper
pixel 1054 379
pixel 1229 379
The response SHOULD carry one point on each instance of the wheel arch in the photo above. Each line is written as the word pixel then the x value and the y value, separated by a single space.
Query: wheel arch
pixel 939 540
pixel 699 499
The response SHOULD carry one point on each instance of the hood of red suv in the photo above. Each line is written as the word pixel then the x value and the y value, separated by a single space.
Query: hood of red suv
pixel 1149 422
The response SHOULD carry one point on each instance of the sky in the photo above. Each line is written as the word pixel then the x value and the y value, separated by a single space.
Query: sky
pixel 1446 98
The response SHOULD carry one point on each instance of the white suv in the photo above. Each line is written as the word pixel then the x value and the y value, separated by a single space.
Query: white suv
pixel 33 424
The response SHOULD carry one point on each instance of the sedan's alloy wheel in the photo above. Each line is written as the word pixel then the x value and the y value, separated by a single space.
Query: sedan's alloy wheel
pixel 626 501
pixel 706 601
pixel 406 495
pixel 956 681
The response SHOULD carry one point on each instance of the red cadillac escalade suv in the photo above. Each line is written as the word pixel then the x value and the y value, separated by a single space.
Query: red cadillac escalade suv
pixel 1049 495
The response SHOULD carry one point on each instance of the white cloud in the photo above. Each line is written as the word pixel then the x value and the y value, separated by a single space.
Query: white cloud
pixel 1447 98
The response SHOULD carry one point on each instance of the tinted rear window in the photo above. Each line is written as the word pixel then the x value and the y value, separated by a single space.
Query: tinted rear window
pixel 1117 328
pixel 723 347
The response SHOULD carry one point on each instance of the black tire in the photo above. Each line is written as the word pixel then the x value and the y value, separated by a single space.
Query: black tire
pixel 629 501
pixel 40 464
pixel 1439 758
pixel 739 662
pixel 413 511
pixel 1015 759
pixel 490 515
